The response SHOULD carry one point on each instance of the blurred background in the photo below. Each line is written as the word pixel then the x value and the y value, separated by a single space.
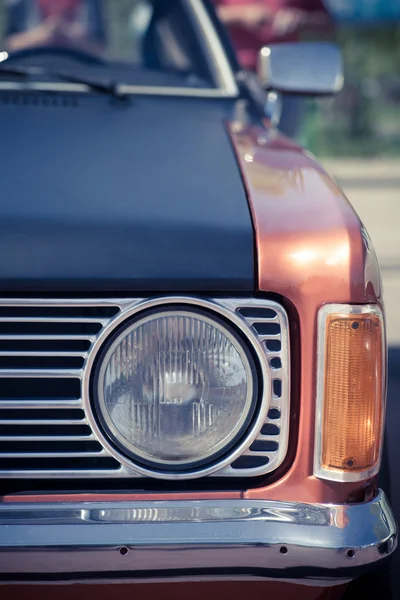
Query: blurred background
pixel 364 120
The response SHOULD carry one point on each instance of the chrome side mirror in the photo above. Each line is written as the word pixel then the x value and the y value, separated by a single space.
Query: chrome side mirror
pixel 309 68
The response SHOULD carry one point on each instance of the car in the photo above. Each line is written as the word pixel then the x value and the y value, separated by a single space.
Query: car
pixel 192 329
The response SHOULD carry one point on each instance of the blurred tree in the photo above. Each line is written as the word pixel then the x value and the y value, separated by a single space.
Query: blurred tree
pixel 364 120
pixel 371 51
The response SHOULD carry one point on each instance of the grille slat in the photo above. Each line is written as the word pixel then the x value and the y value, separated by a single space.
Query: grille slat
pixel 22 353
pixel 47 455
pixel 43 374
pixel 262 320
pixel 47 438
pixel 277 373
pixel 77 337
pixel 53 320
pixel 40 383
pixel 58 404
pixel 260 453
pixel 39 422
pixel 266 437
pixel 106 468
pixel 272 336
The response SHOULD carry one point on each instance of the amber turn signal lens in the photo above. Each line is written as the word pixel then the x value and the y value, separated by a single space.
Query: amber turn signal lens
pixel 352 402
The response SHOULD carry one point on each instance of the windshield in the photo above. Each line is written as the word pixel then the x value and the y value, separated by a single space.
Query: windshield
pixel 134 42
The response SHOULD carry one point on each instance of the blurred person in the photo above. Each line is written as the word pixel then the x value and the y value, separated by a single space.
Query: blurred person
pixel 61 23
pixel 256 23
pixel 253 24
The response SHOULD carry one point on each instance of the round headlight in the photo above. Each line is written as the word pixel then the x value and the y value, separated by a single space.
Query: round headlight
pixel 175 389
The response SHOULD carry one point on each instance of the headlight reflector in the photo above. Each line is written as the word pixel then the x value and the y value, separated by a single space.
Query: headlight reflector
pixel 176 389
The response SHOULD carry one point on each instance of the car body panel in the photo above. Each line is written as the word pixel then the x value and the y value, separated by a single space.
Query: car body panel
pixel 100 205
pixel 312 250
pixel 234 590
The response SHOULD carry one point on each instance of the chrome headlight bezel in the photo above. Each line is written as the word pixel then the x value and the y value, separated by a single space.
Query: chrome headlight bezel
pixel 211 456
pixel 234 322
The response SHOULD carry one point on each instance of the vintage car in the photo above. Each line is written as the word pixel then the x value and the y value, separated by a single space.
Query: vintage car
pixel 192 333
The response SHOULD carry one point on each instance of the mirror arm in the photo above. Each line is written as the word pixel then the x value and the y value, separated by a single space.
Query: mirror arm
pixel 250 88
pixel 273 107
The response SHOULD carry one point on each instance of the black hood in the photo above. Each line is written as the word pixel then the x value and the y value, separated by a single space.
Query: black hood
pixel 98 195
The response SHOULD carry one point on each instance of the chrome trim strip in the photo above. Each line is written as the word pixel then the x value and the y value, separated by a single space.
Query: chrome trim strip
pixel 266 538
pixel 48 438
pixel 220 66
pixel 66 474
pixel 92 320
pixel 47 353
pixel 82 454
pixel 50 422
pixel 78 337
pixel 65 302
pixel 40 374
pixel 135 90
pixel 128 579
pixel 214 48
pixel 41 404
pixel 345 309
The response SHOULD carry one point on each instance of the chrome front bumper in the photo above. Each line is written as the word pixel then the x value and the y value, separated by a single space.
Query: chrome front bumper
pixel 166 539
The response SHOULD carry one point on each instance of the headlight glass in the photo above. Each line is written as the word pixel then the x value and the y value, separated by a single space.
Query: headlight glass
pixel 176 389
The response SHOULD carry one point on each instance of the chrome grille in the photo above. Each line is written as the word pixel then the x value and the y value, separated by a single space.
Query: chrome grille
pixel 46 347
pixel 43 427
pixel 269 321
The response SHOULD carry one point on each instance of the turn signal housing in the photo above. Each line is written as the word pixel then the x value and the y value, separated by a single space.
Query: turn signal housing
pixel 351 388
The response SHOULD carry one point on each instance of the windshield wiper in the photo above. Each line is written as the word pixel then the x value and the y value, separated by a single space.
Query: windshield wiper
pixel 108 88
